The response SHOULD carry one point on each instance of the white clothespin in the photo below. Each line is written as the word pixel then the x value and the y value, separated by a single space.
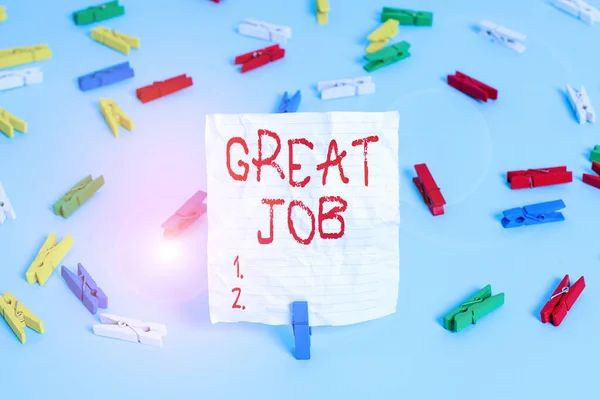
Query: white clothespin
pixel 21 77
pixel 346 87
pixel 578 9
pixel 502 35
pixel 130 330
pixel 265 31
pixel 6 210
pixel 581 105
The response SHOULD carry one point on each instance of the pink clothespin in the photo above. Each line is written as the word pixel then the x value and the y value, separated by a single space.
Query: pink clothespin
pixel 84 287
pixel 186 215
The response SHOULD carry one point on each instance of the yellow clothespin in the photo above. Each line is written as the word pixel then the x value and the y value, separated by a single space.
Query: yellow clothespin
pixel 18 316
pixel 382 35
pixel 114 116
pixel 322 10
pixel 48 258
pixel 9 123
pixel 24 55
pixel 115 40
pixel 2 13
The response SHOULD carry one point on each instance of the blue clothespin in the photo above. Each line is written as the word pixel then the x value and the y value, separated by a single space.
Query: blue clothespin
pixel 541 213
pixel 84 287
pixel 289 104
pixel 302 331
pixel 106 76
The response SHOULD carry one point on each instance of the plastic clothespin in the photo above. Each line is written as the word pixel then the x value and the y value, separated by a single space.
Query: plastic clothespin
pixel 20 78
pixel 105 77
pixel 24 55
pixel 531 178
pixel 387 56
pixel 472 87
pixel 6 209
pixel 580 102
pixel 382 35
pixel 2 14
pixel 533 214
pixel 130 330
pixel 18 316
pixel 473 309
pixel 186 215
pixel 579 9
pixel 9 124
pixel 265 31
pixel 289 104
pixel 501 35
pixel 98 13
pixel 163 88
pixel 84 287
pixel 258 58
pixel 302 330
pixel 115 116
pixel 431 193
pixel 47 259
pixel 407 17
pixel 592 180
pixel 562 300
pixel 346 87
pixel 77 196
pixel 322 11
pixel 115 40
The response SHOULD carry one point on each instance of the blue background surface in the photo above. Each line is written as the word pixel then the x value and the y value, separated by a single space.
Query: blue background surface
pixel 149 173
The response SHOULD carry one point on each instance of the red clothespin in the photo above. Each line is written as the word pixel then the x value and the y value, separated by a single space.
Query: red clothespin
pixel 562 300
pixel 189 212
pixel 472 87
pixel 429 190
pixel 258 58
pixel 216 1
pixel 593 180
pixel 531 178
pixel 163 88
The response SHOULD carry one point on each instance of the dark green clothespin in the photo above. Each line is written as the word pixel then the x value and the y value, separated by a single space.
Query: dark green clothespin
pixel 101 12
pixel 386 56
pixel 476 307
pixel 79 194
pixel 407 17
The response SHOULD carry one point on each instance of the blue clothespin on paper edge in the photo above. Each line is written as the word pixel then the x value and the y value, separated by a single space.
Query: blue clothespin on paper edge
pixel 302 331
pixel 84 287
pixel 533 214
pixel 289 104
pixel 106 76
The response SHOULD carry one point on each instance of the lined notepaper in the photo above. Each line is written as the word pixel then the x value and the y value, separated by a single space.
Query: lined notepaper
pixel 345 280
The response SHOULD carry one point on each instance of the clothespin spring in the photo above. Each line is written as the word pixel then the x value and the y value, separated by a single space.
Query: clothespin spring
pixel 564 290
pixel 470 303
pixel 71 192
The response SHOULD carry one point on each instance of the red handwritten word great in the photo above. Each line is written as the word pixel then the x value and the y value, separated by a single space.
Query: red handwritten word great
pixel 334 159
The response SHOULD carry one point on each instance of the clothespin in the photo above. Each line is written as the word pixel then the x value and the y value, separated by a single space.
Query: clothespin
pixel 2 14
pixel 473 309
pixel 216 1
pixel 115 116
pixel 18 316
pixel 501 35
pixel 472 87
pixel 258 58
pixel 387 56
pixel 186 215
pixel 533 214
pixel 130 330
pixel 105 77
pixel 592 180
pixel 595 154
pixel 524 179
pixel 48 258
pixel 84 287
pixel 98 13
pixel 115 40
pixel 407 17
pixel 382 35
pixel 6 209
pixel 578 9
pixel 302 330
pixel 265 31
pixel 289 104
pixel 24 55
pixel 562 300
pixel 163 88
pixel 580 102
pixel 77 196
pixel 20 78
pixel 9 123
pixel 346 87
pixel 431 193
pixel 322 11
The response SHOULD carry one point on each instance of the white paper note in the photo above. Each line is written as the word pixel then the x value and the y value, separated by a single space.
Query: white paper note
pixel 345 278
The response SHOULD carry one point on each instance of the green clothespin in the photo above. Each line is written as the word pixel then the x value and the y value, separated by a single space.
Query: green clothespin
pixel 79 194
pixel 476 307
pixel 595 154
pixel 386 56
pixel 407 17
pixel 98 13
